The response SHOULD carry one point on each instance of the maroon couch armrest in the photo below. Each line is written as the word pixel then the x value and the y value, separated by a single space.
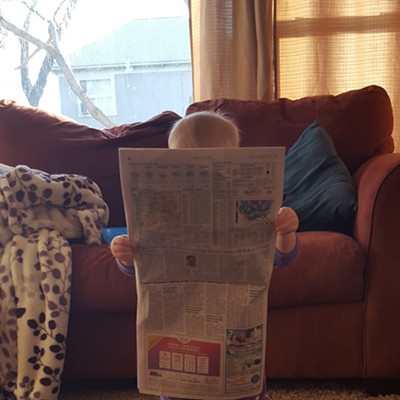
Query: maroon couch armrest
pixel 377 229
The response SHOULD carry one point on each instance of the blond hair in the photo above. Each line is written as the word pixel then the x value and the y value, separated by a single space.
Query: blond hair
pixel 204 129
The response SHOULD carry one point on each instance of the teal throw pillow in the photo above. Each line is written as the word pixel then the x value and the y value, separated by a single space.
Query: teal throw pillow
pixel 318 185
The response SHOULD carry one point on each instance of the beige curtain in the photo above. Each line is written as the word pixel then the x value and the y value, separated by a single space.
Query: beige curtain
pixel 232 47
pixel 327 47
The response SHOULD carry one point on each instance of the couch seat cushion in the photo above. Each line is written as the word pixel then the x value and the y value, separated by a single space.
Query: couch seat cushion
pixel 98 286
pixel 329 269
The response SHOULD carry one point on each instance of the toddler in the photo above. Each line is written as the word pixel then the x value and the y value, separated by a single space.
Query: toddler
pixel 210 129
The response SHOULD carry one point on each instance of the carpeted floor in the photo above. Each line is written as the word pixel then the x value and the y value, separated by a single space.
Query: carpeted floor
pixel 278 390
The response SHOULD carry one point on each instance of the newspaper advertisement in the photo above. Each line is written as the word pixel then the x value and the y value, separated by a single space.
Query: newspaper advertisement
pixel 203 223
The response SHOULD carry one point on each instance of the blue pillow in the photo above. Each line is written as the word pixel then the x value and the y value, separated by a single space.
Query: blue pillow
pixel 318 185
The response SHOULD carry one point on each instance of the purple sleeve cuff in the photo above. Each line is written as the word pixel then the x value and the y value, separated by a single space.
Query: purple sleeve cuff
pixel 283 259
pixel 130 271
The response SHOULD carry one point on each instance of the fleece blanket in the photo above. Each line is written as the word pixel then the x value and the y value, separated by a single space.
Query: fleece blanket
pixel 39 212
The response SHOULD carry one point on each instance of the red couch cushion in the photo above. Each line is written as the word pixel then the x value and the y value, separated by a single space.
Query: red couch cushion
pixel 31 136
pixel 328 270
pixel 98 286
pixel 281 122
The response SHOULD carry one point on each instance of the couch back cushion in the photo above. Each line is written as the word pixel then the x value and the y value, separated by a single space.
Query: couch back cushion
pixel 360 122
pixel 33 137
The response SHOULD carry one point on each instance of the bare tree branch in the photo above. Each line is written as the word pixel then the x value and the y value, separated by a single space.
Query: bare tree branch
pixel 54 52
pixel 30 57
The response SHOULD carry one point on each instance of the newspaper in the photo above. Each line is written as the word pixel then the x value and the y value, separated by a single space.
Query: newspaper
pixel 203 223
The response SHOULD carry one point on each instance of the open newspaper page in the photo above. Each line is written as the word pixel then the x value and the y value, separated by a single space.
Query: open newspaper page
pixel 203 222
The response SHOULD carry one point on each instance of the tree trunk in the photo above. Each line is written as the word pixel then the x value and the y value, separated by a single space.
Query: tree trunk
pixel 34 92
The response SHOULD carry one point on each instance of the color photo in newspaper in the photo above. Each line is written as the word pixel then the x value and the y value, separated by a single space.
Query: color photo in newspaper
pixel 203 223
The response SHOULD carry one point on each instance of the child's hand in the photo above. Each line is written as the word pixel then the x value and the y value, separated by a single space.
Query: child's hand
pixel 123 249
pixel 286 221
pixel 286 224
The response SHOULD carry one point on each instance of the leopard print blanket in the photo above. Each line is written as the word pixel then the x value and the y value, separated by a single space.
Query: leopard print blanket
pixel 39 212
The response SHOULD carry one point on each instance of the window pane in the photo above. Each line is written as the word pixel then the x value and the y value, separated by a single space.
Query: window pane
pixel 132 58
pixel 98 87
pixel 334 46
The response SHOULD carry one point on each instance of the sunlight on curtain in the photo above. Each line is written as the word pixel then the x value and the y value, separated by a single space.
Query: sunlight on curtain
pixel 331 47
pixel 232 48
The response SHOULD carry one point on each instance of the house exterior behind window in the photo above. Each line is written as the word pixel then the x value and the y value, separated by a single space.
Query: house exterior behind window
pixel 133 73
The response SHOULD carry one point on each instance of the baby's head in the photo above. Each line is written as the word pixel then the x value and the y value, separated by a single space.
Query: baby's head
pixel 204 129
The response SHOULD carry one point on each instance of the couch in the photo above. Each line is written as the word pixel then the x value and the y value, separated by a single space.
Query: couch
pixel 332 314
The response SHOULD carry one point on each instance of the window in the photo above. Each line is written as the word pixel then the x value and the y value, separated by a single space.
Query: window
pixel 101 93
pixel 130 58
pixel 332 47
pixel 329 49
